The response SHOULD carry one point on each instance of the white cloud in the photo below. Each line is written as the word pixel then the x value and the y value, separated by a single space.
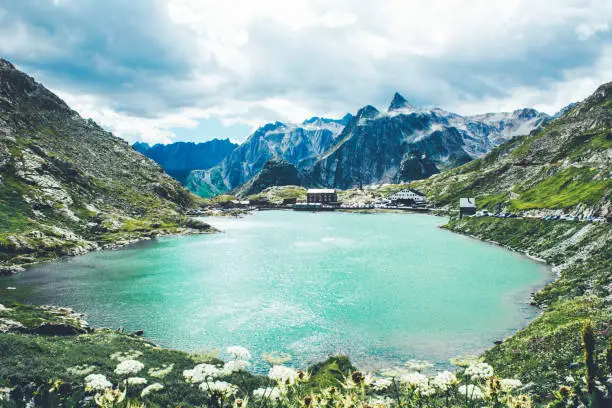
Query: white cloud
pixel 149 66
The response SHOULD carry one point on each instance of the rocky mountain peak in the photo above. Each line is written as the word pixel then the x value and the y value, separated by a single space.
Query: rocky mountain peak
pixel 399 102
pixel 5 65
pixel 601 97
pixel 367 112
pixel 23 92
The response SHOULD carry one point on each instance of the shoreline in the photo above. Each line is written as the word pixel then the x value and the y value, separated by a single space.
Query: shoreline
pixel 528 301
pixel 11 269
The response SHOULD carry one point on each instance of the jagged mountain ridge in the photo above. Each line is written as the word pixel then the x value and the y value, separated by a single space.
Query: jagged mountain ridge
pixel 403 143
pixel 180 158
pixel 66 184
pixel 406 143
pixel 565 166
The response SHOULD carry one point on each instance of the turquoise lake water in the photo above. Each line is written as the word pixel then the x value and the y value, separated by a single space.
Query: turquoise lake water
pixel 380 288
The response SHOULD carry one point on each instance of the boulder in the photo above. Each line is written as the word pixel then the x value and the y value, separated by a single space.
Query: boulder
pixel 58 329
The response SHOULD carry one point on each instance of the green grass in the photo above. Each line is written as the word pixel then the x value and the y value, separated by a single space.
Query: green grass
pixel 549 349
pixel 37 359
pixel 567 188
pixel 14 213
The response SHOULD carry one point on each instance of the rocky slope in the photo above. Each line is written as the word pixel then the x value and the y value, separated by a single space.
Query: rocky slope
pixel 276 172
pixel 406 143
pixel 298 144
pixel 67 185
pixel 180 158
pixel 566 166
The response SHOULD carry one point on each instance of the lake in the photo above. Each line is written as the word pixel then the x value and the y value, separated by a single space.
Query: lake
pixel 380 288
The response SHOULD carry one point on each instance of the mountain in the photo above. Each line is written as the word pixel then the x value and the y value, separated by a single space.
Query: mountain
pixel 276 172
pixel 405 143
pixel 399 103
pixel 180 158
pixel 298 144
pixel 566 165
pixel 67 185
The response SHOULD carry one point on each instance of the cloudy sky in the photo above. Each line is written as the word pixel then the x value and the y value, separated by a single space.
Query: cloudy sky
pixel 167 70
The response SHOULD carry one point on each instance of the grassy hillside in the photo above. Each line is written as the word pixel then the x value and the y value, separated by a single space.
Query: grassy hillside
pixel 566 166
pixel 549 350
pixel 67 185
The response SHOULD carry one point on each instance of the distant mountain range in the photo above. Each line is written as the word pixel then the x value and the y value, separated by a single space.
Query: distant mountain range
pixel 180 158
pixel 402 143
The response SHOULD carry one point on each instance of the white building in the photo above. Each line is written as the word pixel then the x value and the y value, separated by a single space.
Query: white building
pixel 408 194
pixel 467 206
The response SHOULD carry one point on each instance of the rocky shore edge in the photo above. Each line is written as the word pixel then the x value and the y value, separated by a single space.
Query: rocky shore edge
pixel 191 226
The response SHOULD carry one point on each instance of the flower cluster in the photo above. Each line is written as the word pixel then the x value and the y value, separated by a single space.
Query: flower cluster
pixel 444 381
pixel 219 388
pixel 239 352
pixel 283 374
pixel 97 382
pixel 129 367
pixel 235 365
pixel 479 371
pixel 202 372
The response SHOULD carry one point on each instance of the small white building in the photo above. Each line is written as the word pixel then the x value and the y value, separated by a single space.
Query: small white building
pixel 467 206
pixel 408 194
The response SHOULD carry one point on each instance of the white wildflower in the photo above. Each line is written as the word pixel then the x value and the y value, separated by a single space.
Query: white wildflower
pixel 235 365
pixel 81 370
pixel 382 384
pixel 510 384
pixel 282 374
pixel 219 388
pixel 136 381
pixel 202 372
pixel 161 372
pixel 479 371
pixel 128 355
pixel 272 394
pixel 472 391
pixel 239 352
pixel 127 367
pixel 414 379
pixel 419 382
pixel 569 379
pixel 97 382
pixel 444 380
pixel 151 388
